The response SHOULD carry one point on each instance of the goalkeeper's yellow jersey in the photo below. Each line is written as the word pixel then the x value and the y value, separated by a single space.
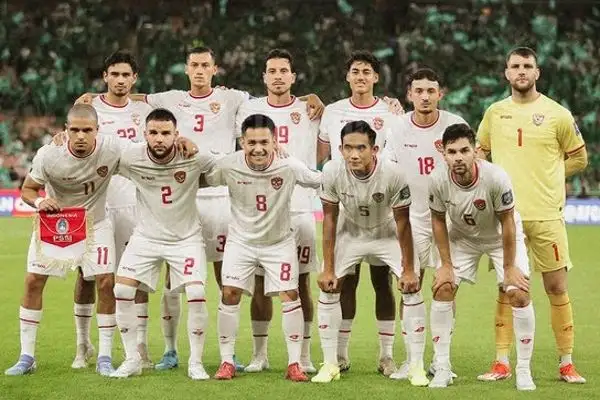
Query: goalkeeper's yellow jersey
pixel 530 142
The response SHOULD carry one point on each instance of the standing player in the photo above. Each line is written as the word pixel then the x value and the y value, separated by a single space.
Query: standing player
pixel 260 233
pixel 117 116
pixel 75 175
pixel 298 134
pixel 417 146
pixel 530 136
pixel 362 74
pixel 169 230
pixel 478 199
pixel 375 223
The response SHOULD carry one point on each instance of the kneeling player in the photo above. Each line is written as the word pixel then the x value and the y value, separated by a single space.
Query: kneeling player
pixel 168 230
pixel 374 223
pixel 260 190
pixel 478 198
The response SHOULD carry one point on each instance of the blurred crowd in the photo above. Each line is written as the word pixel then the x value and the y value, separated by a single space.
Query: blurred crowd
pixel 55 51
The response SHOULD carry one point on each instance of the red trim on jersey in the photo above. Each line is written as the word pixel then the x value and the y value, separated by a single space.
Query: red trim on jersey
pixel 105 101
pixel 201 97
pixel 412 119
pixel 575 150
pixel 283 105
pixel 370 174
pixel 323 140
pixel 505 211
pixel 262 169
pixel 364 107
pixel 80 157
pixel 401 207
pixel 155 161
pixel 475 179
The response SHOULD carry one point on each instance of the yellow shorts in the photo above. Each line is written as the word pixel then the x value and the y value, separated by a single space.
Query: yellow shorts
pixel 547 244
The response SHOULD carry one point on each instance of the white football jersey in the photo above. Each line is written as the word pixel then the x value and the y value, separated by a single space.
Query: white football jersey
pixel 368 201
pixel 418 149
pixel 208 120
pixel 127 123
pixel 260 200
pixel 295 132
pixel 472 210
pixel 338 114
pixel 166 193
pixel 78 181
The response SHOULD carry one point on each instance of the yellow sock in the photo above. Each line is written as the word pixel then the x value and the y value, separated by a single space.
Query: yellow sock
pixel 504 327
pixel 561 315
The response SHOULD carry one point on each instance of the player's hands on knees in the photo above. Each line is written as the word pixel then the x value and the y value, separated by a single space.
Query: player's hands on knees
pixel 514 277
pixel 327 282
pixel 59 138
pixel 85 98
pixel 443 275
pixel 49 205
pixel 394 105
pixel 186 147
pixel 408 282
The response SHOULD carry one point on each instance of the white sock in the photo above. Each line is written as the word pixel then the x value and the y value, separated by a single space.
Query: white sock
pixel 29 322
pixel 305 354
pixel 386 332
pixel 329 314
pixel 566 360
pixel 170 311
pixel 441 324
pixel 292 320
pixel 344 337
pixel 106 329
pixel 83 320
pixel 141 309
pixel 126 319
pixel 197 324
pixel 405 339
pixel 524 326
pixel 260 338
pixel 415 320
pixel 228 321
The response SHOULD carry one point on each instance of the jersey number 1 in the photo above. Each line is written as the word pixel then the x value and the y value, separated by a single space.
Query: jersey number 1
pixel 520 137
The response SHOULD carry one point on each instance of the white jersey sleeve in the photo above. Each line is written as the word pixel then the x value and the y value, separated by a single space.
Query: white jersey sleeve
pixel 502 192
pixel 329 192
pixel 305 176
pixel 398 191
pixel 436 186
pixel 163 99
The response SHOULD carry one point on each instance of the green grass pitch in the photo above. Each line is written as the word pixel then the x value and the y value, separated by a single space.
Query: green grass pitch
pixel 472 349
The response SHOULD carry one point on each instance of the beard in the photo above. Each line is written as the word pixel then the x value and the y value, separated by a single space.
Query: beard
pixel 523 89
pixel 162 155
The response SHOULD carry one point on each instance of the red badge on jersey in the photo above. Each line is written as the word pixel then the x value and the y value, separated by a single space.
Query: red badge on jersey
pixel 479 204
pixel 215 107
pixel 538 119
pixel 63 229
pixel 295 116
pixel 135 117
pixel 102 171
pixel 179 176
pixel 439 146
pixel 276 182
pixel 377 123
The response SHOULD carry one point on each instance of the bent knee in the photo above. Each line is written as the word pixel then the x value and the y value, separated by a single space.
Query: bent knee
pixel 518 298
pixel 105 282
pixel 288 295
pixel 444 293
pixel 35 282
pixel 231 295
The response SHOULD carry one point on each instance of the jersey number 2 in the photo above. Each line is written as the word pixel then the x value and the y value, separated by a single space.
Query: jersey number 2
pixel 166 194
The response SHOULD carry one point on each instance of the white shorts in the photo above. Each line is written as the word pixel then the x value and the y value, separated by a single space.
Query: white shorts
pixel 99 260
pixel 426 250
pixel 123 220
pixel 350 251
pixel 143 258
pixel 466 254
pixel 279 261
pixel 215 215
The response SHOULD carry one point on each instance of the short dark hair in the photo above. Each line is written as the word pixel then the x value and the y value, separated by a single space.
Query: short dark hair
pixel 121 57
pixel 359 127
pixel 523 52
pixel 363 56
pixel 424 73
pixel 458 131
pixel 200 50
pixel 281 53
pixel 161 114
pixel 258 121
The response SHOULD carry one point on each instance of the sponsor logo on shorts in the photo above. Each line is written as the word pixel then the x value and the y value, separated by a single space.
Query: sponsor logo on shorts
pixel 276 182
pixel 128 269
pixel 378 197
pixel 439 146
pixel 295 116
pixel 537 119
pixel 479 204
pixel 233 278
pixel 215 107
pixel 102 171
pixel 507 198
pixel 179 176
pixel 377 123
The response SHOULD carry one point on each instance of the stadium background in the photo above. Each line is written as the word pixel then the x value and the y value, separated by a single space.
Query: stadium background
pixel 52 51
